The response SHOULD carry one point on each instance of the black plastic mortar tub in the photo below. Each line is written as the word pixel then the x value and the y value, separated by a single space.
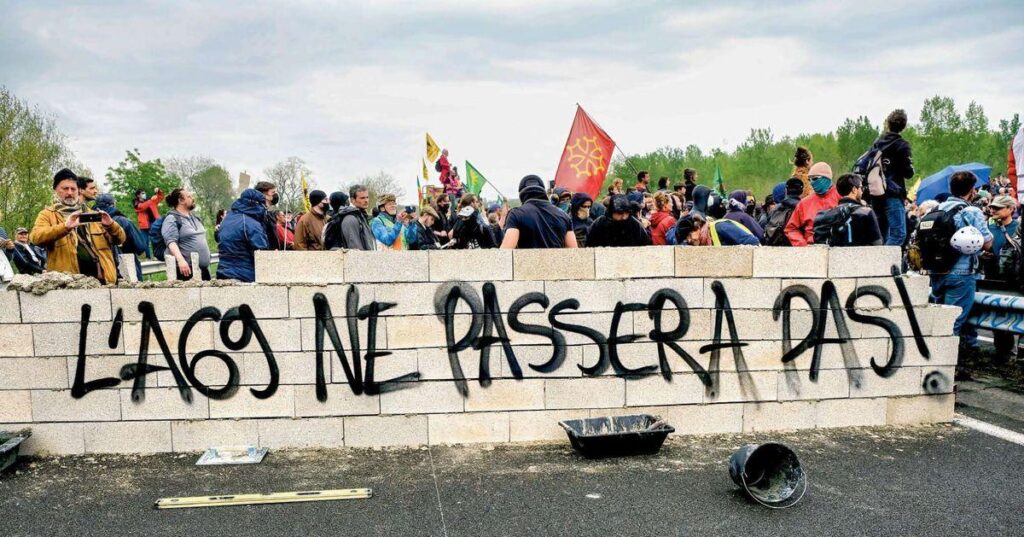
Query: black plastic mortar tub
pixel 9 445
pixel 618 435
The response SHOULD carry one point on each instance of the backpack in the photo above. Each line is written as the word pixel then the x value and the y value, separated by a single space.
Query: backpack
pixel 933 236
pixel 1011 261
pixel 834 227
pixel 437 165
pixel 871 167
pixel 333 238
pixel 156 237
pixel 775 229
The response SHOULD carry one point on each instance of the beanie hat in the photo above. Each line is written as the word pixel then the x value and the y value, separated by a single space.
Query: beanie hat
pixel 779 192
pixel 64 175
pixel 820 169
pixel 338 200
pixel 620 204
pixel 636 197
pixel 105 200
pixel 316 197
pixel 531 187
pixel 794 187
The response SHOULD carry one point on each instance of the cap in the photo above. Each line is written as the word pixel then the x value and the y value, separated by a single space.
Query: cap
pixel 1002 202
pixel 20 230
pixel 385 198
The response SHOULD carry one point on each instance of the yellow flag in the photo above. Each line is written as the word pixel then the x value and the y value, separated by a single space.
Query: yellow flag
pixel 305 195
pixel 433 151
pixel 426 175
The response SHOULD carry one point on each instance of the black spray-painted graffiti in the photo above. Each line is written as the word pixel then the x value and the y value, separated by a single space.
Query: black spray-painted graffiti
pixel 487 328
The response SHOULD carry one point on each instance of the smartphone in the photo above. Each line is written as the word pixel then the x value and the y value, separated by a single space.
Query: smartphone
pixel 87 218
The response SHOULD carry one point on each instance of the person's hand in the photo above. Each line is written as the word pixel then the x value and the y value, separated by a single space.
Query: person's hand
pixel 158 191
pixel 105 219
pixel 184 268
pixel 72 221
pixel 8 244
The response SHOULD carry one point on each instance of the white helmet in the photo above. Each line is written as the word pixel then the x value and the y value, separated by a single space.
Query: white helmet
pixel 967 240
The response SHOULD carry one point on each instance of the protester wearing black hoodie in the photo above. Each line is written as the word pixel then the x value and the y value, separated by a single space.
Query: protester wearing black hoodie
pixel 619 227
pixel 581 203
pixel 537 223
pixel 775 228
pixel 899 168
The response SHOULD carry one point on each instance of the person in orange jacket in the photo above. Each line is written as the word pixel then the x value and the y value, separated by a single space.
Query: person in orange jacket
pixel 147 211
pixel 800 228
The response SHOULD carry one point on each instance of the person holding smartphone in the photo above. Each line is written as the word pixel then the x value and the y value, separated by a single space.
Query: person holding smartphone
pixel 77 241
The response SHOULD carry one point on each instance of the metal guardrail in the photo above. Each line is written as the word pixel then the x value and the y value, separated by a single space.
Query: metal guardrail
pixel 159 267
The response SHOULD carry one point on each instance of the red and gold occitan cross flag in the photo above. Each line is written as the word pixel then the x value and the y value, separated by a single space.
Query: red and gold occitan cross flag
pixel 586 157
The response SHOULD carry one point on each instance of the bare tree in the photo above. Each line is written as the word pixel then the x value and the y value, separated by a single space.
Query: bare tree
pixel 287 177
pixel 377 185
pixel 188 168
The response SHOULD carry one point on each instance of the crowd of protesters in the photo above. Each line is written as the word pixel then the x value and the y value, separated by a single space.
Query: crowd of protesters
pixel 811 207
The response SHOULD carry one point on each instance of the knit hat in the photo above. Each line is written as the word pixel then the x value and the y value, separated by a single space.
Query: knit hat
pixel 636 197
pixel 794 187
pixel 821 169
pixel 531 187
pixel 64 175
pixel 338 200
pixel 104 200
pixel 316 197
pixel 779 192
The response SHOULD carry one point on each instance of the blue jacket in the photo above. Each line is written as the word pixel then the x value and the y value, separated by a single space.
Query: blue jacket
pixel 105 203
pixel 241 234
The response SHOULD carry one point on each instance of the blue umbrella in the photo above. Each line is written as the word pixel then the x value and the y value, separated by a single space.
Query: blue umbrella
pixel 936 184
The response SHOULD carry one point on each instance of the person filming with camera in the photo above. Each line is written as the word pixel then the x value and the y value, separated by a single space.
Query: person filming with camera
pixel 77 240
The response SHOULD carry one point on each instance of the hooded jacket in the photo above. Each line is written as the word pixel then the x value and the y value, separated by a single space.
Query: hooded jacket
pixel 355 228
pixel 61 243
pixel 737 214
pixel 800 228
pixel 899 164
pixel 134 239
pixel 148 211
pixel 241 234
pixel 662 223
pixel 609 232
pixel 701 194
pixel 580 226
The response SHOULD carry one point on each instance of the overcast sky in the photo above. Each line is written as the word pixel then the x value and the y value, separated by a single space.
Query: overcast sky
pixel 351 87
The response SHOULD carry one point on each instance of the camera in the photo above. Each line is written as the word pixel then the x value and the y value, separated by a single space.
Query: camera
pixel 87 218
pixel 410 209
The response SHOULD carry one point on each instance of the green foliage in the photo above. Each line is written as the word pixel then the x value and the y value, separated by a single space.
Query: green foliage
pixel 132 174
pixel 212 189
pixel 32 149
pixel 943 136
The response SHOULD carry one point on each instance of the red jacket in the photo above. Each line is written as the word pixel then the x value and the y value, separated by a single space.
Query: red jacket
pixel 148 211
pixel 800 228
pixel 661 224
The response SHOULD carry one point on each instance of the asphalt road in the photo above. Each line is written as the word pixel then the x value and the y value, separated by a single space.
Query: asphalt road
pixel 936 480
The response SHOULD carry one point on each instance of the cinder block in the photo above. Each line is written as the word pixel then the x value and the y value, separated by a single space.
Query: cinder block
pixel 655 390
pixel 745 292
pixel 592 392
pixel 547 265
pixel 906 381
pixel 944 351
pixel 410 298
pixel 129 437
pixel 413 332
pixel 386 266
pixel 637 262
pixel 422 398
pixel 541 424
pixel 850 413
pixel 715 262
pixel 266 301
pixel 751 386
pixel 470 265
pixel 283 335
pixel 10 308
pixel 703 419
pixel 385 368
pixel 434 364
pixel 308 329
pixel 341 401
pixel 245 405
pixel 199 435
pixel 506 395
pixel 203 336
pixel 51 438
pixel 33 373
pixel 700 327
pixel 58 405
pixel 16 340
pixel 920 409
pixel 641 291
pixel 302 433
pixel 163 404
pixel 769 416
pixel 106 366
pixel 296 266
pixel 292 367
pixel 918 287
pixel 170 304
pixel 468 428
pixel 300 299
pixel 15 406
pixel 65 306
pixel 537 355
pixel 937 380
pixel 943 318
pixel 380 431
pixel 593 296
pixel 62 339
pixel 844 286
pixel 862 261
pixel 778 262
pixel 831 384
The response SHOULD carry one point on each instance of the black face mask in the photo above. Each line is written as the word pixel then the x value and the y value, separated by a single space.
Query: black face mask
pixel 275 199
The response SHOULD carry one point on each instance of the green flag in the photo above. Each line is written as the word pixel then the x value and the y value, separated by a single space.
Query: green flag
pixel 474 179
pixel 719 182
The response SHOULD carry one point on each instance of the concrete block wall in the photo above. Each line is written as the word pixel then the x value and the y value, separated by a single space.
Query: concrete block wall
pixel 881 376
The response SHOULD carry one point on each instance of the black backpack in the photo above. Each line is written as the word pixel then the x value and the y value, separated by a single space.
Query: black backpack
pixel 437 165
pixel 834 227
pixel 333 238
pixel 933 236
pixel 775 229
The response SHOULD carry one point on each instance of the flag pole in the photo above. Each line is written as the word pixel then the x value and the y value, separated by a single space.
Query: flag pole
pixel 619 149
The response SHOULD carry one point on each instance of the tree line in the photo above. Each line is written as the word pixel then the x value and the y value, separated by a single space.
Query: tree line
pixel 942 136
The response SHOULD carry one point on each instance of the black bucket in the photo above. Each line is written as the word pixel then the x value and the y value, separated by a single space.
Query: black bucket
pixel 640 434
pixel 769 473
